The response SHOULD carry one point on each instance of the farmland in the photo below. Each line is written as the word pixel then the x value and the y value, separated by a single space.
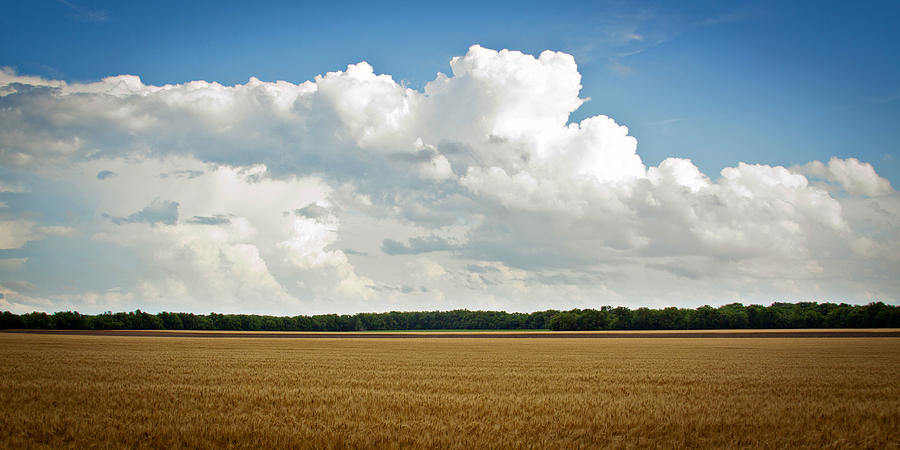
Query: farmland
pixel 84 390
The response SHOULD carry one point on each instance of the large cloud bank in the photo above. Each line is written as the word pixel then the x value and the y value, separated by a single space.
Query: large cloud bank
pixel 351 192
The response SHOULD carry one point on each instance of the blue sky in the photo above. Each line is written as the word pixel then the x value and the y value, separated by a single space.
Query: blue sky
pixel 500 185
pixel 717 82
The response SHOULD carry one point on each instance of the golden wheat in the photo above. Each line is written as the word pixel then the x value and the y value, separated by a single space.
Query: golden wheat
pixel 101 391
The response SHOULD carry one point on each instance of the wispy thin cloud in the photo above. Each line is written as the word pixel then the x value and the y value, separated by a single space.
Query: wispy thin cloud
pixel 668 121
pixel 726 18
pixel 889 97
pixel 620 68
pixel 82 13
pixel 619 33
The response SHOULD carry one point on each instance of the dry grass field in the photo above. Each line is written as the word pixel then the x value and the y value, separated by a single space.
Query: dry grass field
pixel 107 391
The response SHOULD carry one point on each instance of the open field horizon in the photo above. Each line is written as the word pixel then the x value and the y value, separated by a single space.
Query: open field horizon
pixel 487 334
pixel 778 315
pixel 139 392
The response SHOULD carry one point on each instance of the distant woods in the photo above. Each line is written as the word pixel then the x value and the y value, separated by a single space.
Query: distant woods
pixel 731 316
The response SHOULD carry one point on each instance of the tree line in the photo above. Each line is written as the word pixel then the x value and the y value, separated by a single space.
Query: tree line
pixel 731 316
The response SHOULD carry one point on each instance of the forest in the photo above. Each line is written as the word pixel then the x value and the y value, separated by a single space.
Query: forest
pixel 730 316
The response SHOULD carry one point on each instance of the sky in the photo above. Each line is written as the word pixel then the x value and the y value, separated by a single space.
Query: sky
pixel 292 158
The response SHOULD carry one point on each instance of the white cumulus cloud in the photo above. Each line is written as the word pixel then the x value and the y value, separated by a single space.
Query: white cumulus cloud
pixel 353 192
pixel 852 175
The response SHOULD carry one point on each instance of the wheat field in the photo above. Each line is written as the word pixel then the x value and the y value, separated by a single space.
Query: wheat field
pixel 135 392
